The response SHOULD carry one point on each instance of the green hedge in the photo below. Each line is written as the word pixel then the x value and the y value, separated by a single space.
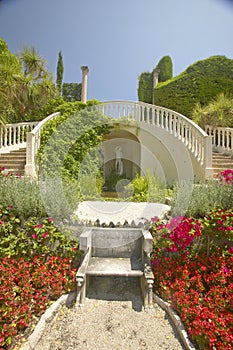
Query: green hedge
pixel 199 83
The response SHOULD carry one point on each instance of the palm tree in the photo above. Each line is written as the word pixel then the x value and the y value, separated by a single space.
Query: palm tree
pixel 25 83
pixel 34 65
pixel 10 75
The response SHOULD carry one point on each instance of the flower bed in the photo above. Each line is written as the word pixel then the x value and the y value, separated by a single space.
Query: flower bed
pixel 193 267
pixel 27 287
pixel 37 265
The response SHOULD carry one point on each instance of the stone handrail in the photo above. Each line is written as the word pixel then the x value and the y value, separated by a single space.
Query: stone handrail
pixel 33 145
pixel 222 138
pixel 13 136
pixel 195 139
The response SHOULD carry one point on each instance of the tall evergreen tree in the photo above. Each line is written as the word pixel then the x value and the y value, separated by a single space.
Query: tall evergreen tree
pixel 60 71
pixel 145 87
pixel 165 67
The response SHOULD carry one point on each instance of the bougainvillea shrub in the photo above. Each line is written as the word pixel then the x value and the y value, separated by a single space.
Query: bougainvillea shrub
pixel 226 176
pixel 27 288
pixel 193 267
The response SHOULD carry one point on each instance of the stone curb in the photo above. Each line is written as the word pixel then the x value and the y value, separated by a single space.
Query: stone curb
pixel 49 314
pixel 55 307
pixel 176 322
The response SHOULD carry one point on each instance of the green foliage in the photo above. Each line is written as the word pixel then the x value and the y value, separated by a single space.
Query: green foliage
pixel 69 142
pixel 71 92
pixel 205 196
pixel 199 83
pixel 148 188
pixel 25 83
pixel 219 112
pixel 165 68
pixel 60 196
pixel 60 71
pixel 23 194
pixel 90 187
pixel 32 237
pixel 32 198
pixel 145 87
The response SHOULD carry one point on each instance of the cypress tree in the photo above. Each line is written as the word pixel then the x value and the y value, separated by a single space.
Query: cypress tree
pixel 165 67
pixel 60 70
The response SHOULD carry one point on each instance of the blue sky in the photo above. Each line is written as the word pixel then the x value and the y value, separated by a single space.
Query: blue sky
pixel 118 39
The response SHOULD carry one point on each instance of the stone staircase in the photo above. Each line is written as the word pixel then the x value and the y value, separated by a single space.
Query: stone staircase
pixel 14 162
pixel 221 162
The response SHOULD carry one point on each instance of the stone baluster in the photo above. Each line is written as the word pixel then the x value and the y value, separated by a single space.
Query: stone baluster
pixel 14 135
pixel 5 136
pixel 153 116
pixel 9 139
pixel 231 140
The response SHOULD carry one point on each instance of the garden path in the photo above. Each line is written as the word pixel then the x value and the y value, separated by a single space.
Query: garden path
pixel 112 318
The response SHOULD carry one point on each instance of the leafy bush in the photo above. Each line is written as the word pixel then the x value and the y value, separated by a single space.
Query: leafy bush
pixel 22 193
pixel 218 112
pixel 32 237
pixel 204 197
pixel 70 143
pixel 148 188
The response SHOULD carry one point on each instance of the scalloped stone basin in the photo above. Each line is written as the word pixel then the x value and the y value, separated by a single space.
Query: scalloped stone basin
pixel 107 211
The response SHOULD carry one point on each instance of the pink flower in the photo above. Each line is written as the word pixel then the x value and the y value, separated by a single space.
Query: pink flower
pixel 38 226
pixel 34 236
pixel 155 219
pixel 1 222
pixel 230 250
pixel 50 219
pixel 45 235
pixel 11 206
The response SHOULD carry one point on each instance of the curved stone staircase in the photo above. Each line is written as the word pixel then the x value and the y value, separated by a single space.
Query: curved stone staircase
pixel 15 161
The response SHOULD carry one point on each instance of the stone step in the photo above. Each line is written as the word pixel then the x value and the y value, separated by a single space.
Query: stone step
pixel 221 162
pixel 14 162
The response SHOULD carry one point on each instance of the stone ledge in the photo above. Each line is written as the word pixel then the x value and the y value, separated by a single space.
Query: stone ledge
pixel 176 322
pixel 41 325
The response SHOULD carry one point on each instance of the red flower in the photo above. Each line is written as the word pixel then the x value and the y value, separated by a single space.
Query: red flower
pixel 45 234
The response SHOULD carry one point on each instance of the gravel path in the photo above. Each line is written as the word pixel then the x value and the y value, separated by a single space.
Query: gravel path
pixel 112 318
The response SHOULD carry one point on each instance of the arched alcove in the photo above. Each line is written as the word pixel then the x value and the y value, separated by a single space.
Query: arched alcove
pixel 130 157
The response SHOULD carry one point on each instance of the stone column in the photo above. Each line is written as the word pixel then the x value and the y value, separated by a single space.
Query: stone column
pixel 155 81
pixel 85 71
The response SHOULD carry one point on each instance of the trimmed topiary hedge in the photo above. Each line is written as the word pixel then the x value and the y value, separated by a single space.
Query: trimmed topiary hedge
pixel 199 83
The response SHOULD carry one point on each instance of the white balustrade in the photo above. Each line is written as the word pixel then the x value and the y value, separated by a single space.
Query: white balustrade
pixel 13 136
pixel 222 138
pixel 33 145
pixel 195 139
